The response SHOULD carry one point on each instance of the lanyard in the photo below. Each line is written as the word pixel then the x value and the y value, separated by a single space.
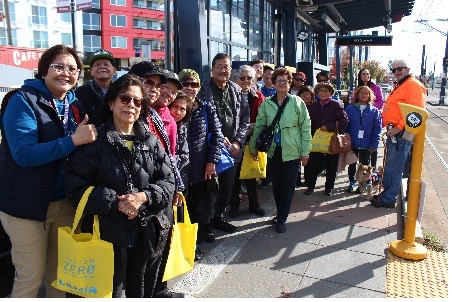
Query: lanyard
pixel 64 119
pixel 127 168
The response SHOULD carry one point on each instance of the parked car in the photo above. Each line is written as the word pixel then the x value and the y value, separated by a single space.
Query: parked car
pixel 385 87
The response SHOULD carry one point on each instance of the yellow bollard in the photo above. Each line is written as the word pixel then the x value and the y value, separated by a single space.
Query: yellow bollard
pixel 415 128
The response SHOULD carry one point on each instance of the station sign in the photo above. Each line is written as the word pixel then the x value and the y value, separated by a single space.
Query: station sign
pixel 364 41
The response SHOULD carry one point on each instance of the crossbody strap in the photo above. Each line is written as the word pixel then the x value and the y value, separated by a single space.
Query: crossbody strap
pixel 280 110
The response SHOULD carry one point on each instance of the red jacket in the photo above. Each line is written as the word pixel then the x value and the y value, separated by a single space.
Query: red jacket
pixel 257 100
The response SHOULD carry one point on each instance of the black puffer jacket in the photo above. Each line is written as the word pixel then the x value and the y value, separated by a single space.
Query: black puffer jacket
pixel 97 164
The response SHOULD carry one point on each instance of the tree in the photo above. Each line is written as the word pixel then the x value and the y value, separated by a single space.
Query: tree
pixel 375 68
pixel 344 54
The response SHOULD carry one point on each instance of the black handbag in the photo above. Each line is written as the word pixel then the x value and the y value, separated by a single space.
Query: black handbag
pixel 265 138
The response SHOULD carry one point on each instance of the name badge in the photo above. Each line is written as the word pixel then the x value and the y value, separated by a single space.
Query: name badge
pixel 360 133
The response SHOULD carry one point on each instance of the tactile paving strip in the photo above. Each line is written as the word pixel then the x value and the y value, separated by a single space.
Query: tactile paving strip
pixel 417 279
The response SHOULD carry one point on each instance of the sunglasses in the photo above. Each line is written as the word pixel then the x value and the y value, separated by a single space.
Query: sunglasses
pixel 299 79
pixel 125 99
pixel 151 84
pixel 398 69
pixel 245 78
pixel 190 84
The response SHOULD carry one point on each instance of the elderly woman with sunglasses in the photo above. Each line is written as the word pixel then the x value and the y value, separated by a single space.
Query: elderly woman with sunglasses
pixel 245 77
pixel 203 156
pixel 133 185
pixel 41 124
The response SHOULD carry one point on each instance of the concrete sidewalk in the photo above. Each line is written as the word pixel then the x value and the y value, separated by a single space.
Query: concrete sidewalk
pixel 333 247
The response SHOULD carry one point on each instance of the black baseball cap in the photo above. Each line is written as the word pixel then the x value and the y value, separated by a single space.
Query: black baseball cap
pixel 146 69
pixel 101 54
pixel 172 77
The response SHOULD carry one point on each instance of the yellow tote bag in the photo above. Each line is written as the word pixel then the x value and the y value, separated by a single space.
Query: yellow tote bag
pixel 181 258
pixel 85 263
pixel 253 168
pixel 321 141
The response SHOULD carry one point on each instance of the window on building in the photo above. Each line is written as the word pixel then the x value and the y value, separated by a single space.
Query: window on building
pixel 220 16
pixel 3 37
pixel 66 39
pixel 91 43
pixel 38 15
pixel 12 12
pixel 155 44
pixel 40 39
pixel 267 43
pixel 255 33
pixel 118 2
pixel 118 42
pixel 14 36
pixel 91 21
pixel 239 26
pixel 65 17
pixel 118 21
pixel 95 4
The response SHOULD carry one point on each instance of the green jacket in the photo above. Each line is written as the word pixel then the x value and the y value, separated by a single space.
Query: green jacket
pixel 295 125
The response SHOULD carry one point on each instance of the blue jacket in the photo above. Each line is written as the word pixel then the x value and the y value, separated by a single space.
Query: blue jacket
pixel 33 150
pixel 369 121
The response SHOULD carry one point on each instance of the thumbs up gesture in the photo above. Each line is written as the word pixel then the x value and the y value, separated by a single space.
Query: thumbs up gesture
pixel 85 133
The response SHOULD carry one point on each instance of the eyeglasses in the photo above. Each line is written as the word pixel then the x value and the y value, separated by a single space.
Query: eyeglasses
pixel 398 69
pixel 151 84
pixel 245 78
pixel 60 68
pixel 190 84
pixel 284 82
pixel 324 91
pixel 299 79
pixel 125 99
pixel 221 67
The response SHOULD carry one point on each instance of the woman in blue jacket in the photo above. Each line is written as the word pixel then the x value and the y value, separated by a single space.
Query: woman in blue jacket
pixel 364 128
pixel 40 126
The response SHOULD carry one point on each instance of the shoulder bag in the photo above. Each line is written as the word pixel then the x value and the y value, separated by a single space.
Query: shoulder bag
pixel 226 161
pixel 340 142
pixel 265 138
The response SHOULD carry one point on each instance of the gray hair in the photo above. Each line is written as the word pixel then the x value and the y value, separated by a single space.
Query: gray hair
pixel 404 63
pixel 243 68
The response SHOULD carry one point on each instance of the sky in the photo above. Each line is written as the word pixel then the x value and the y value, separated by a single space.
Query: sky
pixel 410 36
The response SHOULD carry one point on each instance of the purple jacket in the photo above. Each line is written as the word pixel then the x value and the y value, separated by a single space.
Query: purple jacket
pixel 327 115
pixel 378 102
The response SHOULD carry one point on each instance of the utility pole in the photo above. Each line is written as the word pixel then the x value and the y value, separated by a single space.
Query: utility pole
pixel 74 44
pixel 423 64
pixel 8 23
pixel 442 94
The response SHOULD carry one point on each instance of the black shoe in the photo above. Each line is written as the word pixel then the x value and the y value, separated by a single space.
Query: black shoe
pixel 308 191
pixel 233 212
pixel 328 192
pixel 166 293
pixel 299 184
pixel 258 211
pixel 281 227
pixel 221 224
pixel 198 254
pixel 376 203
pixel 209 237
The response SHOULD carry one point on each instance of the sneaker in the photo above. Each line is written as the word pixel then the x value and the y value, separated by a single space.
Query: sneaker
pixel 209 237
pixel 350 187
pixel 166 293
pixel 263 185
pixel 233 212
pixel 198 254
pixel 281 227
pixel 258 211
pixel 221 224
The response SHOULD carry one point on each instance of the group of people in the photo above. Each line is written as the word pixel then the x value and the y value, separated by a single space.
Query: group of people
pixel 151 139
